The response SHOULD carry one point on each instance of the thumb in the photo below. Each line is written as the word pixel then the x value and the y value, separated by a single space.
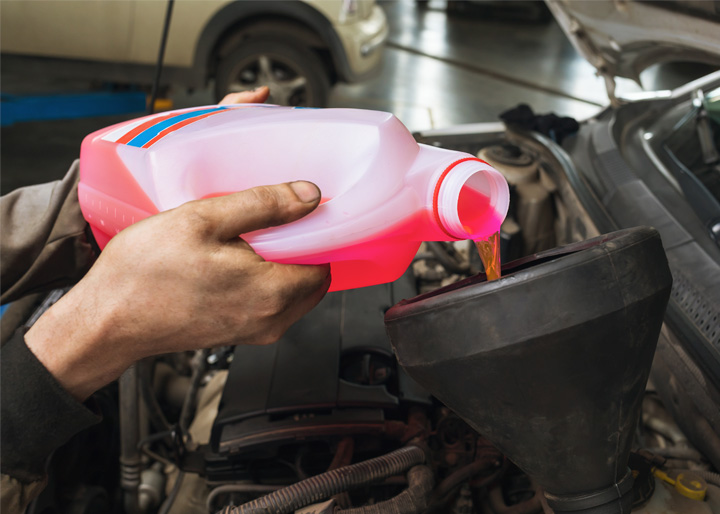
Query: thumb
pixel 256 96
pixel 260 207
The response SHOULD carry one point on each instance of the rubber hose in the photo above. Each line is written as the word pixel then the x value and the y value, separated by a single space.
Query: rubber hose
pixel 170 500
pixel 187 411
pixel 708 476
pixel 413 500
pixel 677 452
pixel 155 412
pixel 327 484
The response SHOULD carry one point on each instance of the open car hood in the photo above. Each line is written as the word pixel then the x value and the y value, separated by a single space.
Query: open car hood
pixel 621 38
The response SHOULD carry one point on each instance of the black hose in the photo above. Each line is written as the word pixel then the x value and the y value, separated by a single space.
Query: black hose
pixel 412 500
pixel 161 56
pixel 188 408
pixel 155 412
pixel 327 484
pixel 144 444
pixel 168 503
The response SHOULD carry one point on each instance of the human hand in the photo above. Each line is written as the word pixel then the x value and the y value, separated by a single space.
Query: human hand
pixel 180 280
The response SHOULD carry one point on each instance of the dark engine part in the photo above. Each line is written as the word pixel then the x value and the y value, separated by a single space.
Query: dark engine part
pixel 325 485
pixel 331 375
pixel 549 363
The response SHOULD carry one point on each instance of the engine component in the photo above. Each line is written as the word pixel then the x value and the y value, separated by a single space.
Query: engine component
pixel 316 488
pixel 237 488
pixel 531 506
pixel 556 381
pixel 536 216
pixel 411 501
pixel 326 507
pixel 700 475
pixel 688 483
pixel 130 463
pixel 517 167
pixel 152 487
pixel 667 499
pixel 330 376
pixel 534 201
pixel 457 478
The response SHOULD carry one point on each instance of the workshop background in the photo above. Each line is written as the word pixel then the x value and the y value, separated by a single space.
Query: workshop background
pixel 440 67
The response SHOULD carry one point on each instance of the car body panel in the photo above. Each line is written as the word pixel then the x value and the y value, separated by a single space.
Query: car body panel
pixel 189 17
pixel 621 39
pixel 362 41
pixel 73 29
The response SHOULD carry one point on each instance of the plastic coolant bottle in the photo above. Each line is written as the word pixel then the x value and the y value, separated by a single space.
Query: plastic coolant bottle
pixel 383 193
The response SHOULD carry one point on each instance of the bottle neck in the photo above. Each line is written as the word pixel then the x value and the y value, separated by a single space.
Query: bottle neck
pixel 470 199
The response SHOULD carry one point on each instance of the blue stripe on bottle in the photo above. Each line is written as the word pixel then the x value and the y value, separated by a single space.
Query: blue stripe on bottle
pixel 146 135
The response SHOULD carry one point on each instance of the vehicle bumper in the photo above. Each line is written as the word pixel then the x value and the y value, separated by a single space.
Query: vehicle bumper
pixel 363 42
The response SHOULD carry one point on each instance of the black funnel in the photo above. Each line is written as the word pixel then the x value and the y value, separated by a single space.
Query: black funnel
pixel 550 362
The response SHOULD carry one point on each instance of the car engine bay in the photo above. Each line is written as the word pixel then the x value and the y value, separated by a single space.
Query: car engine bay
pixel 215 430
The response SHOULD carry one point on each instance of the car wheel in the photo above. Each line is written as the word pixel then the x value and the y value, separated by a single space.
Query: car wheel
pixel 294 74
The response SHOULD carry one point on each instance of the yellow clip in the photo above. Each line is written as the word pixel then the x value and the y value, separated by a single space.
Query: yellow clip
pixel 686 483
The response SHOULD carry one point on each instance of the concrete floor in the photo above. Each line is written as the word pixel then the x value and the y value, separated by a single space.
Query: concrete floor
pixel 438 70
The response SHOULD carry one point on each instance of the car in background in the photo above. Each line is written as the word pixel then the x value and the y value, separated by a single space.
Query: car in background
pixel 297 48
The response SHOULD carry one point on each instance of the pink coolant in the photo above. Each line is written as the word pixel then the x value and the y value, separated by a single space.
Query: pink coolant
pixel 383 193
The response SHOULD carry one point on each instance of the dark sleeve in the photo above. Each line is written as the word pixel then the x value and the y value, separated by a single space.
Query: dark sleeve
pixel 45 241
pixel 37 414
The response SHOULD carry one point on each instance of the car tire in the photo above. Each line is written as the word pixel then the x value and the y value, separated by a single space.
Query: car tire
pixel 295 74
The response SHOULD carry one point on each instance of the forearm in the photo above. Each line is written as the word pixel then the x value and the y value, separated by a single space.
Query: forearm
pixel 79 343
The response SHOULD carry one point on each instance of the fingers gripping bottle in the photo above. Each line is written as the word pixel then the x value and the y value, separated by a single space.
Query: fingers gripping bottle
pixel 383 193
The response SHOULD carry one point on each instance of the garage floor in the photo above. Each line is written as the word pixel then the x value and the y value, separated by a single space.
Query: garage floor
pixel 438 70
